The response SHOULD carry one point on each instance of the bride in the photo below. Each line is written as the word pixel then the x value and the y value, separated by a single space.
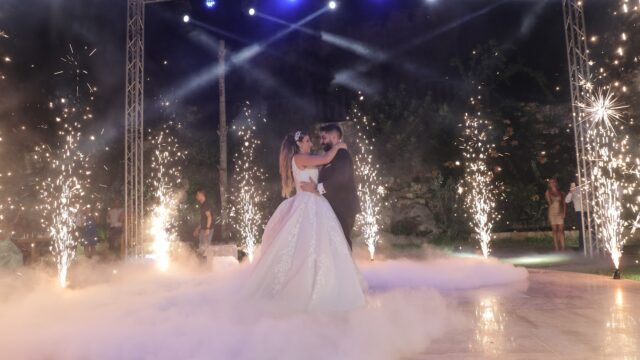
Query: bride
pixel 304 263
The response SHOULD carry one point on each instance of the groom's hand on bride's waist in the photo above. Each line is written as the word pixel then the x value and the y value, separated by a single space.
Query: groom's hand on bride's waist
pixel 309 186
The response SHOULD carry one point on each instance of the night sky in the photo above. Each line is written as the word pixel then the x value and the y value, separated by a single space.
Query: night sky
pixel 297 80
pixel 298 65
pixel 294 78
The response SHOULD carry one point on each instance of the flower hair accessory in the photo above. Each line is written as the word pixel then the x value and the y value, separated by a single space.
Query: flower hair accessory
pixel 297 135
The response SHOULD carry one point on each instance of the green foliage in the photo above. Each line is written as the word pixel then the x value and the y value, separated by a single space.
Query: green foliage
pixel 445 206
pixel 408 226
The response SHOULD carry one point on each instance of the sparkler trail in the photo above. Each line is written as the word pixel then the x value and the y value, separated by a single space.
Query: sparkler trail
pixel 248 196
pixel 478 184
pixel 371 190
pixel 74 62
pixel 165 179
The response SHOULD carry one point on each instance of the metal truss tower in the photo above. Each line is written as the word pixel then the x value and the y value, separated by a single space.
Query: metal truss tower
pixel 134 131
pixel 579 72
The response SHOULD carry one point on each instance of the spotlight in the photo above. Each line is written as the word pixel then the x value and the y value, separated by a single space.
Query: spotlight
pixel 186 18
pixel 210 3
pixel 333 5
pixel 252 11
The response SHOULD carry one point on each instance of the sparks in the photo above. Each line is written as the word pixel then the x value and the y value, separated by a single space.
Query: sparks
pixel 478 183
pixel 602 107
pixel 64 190
pixel 165 180
pixel 75 63
pixel 614 173
pixel 248 196
pixel 609 160
pixel 370 187
pixel 63 198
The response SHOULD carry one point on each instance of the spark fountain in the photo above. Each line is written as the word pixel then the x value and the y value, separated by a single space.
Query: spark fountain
pixel 609 123
pixel 64 188
pixel 165 179
pixel 608 149
pixel 371 190
pixel 478 185
pixel 63 195
pixel 248 195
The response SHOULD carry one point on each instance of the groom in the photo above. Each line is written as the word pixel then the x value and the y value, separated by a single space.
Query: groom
pixel 336 181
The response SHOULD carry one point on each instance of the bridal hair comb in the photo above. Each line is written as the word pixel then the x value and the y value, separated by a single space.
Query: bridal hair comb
pixel 297 136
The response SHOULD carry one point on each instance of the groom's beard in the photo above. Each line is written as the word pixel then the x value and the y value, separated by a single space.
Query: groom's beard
pixel 327 147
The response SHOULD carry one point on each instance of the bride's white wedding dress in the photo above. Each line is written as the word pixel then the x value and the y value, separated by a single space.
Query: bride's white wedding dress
pixel 304 262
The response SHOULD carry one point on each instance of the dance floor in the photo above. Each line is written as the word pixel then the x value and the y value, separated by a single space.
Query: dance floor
pixel 559 315
pixel 440 307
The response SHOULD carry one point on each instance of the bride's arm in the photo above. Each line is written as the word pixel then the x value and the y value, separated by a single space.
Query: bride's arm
pixel 308 160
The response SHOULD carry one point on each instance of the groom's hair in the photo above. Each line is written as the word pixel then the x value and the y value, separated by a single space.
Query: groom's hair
pixel 329 128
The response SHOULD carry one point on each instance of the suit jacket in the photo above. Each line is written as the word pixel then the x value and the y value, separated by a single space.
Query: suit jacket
pixel 338 181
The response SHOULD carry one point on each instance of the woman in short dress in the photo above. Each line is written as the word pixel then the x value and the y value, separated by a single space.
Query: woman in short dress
pixel 557 212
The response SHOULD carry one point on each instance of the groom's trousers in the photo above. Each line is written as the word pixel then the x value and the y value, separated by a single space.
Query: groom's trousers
pixel 347 222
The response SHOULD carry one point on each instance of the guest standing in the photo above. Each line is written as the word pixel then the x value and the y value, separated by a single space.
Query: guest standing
pixel 115 218
pixel 204 231
pixel 575 197
pixel 90 235
pixel 557 213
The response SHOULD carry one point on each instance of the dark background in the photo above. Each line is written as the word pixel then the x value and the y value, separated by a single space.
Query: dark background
pixel 417 95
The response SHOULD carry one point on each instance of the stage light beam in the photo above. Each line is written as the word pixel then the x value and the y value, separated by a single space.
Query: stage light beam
pixel 211 73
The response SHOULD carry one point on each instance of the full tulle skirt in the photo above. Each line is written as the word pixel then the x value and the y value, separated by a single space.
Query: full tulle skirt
pixel 304 263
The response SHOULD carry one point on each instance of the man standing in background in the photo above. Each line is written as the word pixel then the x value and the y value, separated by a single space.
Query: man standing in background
pixel 115 218
pixel 575 196
pixel 204 231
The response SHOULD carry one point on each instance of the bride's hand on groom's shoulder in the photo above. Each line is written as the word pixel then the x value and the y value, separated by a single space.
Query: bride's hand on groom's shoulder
pixel 342 145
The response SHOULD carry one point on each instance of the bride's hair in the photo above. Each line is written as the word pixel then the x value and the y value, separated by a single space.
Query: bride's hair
pixel 288 149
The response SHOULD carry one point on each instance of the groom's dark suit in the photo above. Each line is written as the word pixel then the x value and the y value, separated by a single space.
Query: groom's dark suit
pixel 337 179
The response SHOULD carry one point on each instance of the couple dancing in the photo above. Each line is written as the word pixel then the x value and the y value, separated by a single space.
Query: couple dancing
pixel 304 263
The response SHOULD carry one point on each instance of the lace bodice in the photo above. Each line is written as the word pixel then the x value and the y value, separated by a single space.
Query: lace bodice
pixel 303 175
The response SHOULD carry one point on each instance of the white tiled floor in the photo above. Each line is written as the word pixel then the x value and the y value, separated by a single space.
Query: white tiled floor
pixel 560 315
